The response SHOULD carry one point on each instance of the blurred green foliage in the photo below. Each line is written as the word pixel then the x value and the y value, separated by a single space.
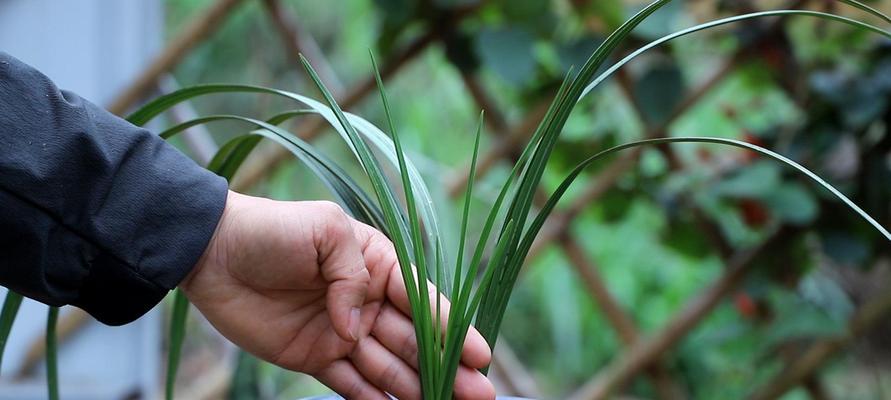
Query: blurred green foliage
pixel 815 92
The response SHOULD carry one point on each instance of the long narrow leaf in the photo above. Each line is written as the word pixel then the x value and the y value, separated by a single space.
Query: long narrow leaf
pixel 417 241
pixel 456 341
pixel 862 6
pixel 712 24
pixel 465 216
pixel 496 207
pixel 7 316
pixel 233 153
pixel 52 354
pixel 555 197
pixel 176 336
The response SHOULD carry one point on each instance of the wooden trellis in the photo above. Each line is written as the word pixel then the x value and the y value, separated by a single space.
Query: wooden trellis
pixel 644 351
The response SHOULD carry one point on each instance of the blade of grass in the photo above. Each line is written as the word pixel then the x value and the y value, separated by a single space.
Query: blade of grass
pixel 176 336
pixel 423 199
pixel 868 9
pixel 414 222
pixel 724 21
pixel 7 316
pixel 232 156
pixel 552 126
pixel 455 343
pixel 458 307
pixel 438 336
pixel 536 225
pixel 52 354
pixel 233 153
pixel 465 216
pixel 564 185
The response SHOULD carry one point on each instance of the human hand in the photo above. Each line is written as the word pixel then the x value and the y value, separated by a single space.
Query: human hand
pixel 306 287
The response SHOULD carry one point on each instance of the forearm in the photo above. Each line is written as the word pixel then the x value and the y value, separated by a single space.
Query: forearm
pixel 94 211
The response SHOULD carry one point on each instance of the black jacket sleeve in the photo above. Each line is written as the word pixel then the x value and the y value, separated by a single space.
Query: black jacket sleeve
pixel 94 212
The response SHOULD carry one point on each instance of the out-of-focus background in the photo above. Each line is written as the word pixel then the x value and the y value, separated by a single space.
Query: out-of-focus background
pixel 684 271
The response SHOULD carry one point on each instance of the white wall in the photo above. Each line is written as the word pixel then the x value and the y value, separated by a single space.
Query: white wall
pixel 94 48
pixel 91 47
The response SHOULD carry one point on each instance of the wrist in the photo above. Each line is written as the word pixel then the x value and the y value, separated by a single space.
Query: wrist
pixel 214 253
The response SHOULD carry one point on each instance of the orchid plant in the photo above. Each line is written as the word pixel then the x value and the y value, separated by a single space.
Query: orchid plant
pixel 478 290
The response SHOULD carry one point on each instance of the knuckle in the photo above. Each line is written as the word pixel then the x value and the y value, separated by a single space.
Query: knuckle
pixel 380 250
pixel 389 377
pixel 354 391
pixel 410 348
pixel 329 210
pixel 382 244
pixel 332 220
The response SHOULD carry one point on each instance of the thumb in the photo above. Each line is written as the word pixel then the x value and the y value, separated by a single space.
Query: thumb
pixel 343 267
pixel 345 299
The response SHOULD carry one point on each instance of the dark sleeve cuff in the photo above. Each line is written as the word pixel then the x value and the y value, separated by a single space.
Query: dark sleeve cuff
pixel 116 293
pixel 95 212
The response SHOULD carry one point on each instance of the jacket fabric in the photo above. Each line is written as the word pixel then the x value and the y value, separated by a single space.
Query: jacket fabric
pixel 94 212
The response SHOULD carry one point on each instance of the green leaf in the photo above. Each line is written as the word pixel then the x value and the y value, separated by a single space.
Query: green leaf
pixel 52 354
pixel 724 21
pixel 424 335
pixel 555 197
pixel 7 316
pixel 232 154
pixel 176 337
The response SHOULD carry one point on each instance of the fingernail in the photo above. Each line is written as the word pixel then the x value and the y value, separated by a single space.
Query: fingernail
pixel 354 323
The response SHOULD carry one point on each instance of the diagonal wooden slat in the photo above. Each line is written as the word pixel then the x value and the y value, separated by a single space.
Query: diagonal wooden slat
pixel 267 159
pixel 197 138
pixel 502 148
pixel 640 356
pixel 510 376
pixel 296 41
pixel 625 327
pixel 874 311
pixel 196 32
pixel 257 167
